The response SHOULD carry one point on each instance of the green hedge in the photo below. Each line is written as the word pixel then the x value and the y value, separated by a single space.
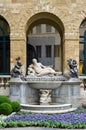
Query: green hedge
pixel 4 99
pixel 15 106
pixel 7 106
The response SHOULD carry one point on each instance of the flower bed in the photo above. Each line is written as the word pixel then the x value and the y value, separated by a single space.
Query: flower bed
pixel 67 120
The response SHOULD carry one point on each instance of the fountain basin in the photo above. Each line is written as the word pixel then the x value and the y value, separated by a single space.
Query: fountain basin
pixel 50 109
pixel 62 92
pixel 44 84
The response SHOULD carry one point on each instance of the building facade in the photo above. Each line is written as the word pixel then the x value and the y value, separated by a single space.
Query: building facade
pixel 50 30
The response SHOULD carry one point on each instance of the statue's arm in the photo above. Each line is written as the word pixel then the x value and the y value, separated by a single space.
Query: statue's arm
pixel 31 66
pixel 42 65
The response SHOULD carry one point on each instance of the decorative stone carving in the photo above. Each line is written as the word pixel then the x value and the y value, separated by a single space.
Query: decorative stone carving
pixel 45 96
pixel 38 69
pixel 73 73
pixel 16 70
pixel 45 87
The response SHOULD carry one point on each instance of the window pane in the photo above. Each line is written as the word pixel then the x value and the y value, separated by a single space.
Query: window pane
pixel 38 29
pixel 5 56
pixel 38 51
pixel 48 51
pixel 81 58
pixel 1 58
pixel 48 28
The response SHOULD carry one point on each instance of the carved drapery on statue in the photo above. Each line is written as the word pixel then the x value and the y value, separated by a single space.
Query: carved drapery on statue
pixel 38 69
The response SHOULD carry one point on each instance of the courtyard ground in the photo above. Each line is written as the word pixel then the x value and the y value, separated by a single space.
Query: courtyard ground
pixel 36 128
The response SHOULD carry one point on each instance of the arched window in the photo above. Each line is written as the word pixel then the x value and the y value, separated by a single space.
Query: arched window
pixel 4 47
pixel 82 48
pixel 45 33
pixel 46 42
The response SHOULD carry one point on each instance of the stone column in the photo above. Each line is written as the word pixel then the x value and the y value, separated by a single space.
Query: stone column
pixel 71 50
pixel 18 49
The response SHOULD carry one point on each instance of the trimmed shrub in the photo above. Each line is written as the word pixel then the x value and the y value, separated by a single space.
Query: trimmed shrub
pixel 4 99
pixel 6 109
pixel 15 106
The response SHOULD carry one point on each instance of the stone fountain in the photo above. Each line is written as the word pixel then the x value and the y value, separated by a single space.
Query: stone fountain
pixel 44 90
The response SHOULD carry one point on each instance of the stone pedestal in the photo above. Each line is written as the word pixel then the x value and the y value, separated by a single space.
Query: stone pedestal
pixel 61 92
pixel 21 92
pixel 68 92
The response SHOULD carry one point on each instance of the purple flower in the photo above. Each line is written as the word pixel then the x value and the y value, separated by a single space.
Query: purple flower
pixel 67 118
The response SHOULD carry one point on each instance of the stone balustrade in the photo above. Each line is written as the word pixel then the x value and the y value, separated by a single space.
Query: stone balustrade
pixel 4 85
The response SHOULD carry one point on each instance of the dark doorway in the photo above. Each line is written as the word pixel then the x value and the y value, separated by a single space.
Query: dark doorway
pixel 4 51
pixel 31 53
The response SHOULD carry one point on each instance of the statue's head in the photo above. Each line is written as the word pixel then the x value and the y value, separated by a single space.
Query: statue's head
pixel 18 58
pixel 18 61
pixel 34 60
pixel 72 62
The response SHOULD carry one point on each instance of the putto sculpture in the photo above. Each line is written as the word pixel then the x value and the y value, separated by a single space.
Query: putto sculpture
pixel 73 72
pixel 16 70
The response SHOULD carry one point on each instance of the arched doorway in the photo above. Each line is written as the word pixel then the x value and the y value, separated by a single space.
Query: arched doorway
pixel 45 34
pixel 82 56
pixel 4 47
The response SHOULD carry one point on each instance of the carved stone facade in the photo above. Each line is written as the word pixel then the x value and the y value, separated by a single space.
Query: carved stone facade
pixel 66 15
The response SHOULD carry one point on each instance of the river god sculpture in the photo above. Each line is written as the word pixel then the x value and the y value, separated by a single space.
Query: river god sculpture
pixel 38 69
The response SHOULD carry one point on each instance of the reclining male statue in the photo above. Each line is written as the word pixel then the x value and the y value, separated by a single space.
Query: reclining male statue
pixel 36 68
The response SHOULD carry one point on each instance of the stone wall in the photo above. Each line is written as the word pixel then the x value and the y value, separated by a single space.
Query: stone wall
pixel 19 17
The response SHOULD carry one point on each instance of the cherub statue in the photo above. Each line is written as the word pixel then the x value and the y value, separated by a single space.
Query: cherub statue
pixel 73 68
pixel 45 96
pixel 16 70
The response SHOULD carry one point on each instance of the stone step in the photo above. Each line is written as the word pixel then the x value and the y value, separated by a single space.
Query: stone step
pixel 47 108
pixel 51 112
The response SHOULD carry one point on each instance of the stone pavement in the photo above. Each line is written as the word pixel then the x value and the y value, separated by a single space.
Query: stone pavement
pixel 30 128
pixel 36 128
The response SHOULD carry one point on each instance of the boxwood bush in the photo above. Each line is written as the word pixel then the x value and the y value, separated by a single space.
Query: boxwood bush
pixel 4 99
pixel 15 106
pixel 5 108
